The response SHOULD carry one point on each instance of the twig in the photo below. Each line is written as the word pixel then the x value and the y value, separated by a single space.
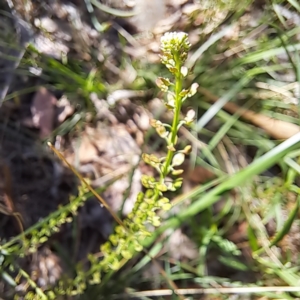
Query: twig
pixel 208 291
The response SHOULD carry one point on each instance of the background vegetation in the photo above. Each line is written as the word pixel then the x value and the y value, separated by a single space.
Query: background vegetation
pixel 82 75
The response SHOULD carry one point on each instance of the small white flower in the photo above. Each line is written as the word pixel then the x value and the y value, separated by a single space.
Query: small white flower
pixel 178 159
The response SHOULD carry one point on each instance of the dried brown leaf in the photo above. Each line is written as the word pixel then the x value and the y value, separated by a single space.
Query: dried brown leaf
pixel 43 111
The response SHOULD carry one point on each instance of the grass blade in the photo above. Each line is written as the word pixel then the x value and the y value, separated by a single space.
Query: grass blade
pixel 287 226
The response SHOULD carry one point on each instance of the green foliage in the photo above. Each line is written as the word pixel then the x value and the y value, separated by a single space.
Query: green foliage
pixel 27 242
pixel 258 199
pixel 69 76
pixel 33 237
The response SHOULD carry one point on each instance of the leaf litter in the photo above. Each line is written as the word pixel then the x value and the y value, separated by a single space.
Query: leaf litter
pixel 110 146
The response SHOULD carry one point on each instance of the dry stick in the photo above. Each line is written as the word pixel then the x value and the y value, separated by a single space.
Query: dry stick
pixel 277 129
pixel 8 199
pixel 101 200
pixel 212 291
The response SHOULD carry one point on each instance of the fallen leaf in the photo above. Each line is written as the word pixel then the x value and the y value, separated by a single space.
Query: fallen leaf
pixel 65 109
pixel 200 175
pixel 148 13
pixel 87 150
pixel 43 111
pixel 277 129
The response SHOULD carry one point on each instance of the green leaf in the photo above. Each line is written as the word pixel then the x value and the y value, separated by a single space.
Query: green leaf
pixel 287 226
pixel 252 239
pixel 233 263
pixel 8 279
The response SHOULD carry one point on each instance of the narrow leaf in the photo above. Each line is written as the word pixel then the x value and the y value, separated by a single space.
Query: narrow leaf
pixel 287 226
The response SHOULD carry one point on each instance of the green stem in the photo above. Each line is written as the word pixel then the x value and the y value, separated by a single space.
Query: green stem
pixel 177 109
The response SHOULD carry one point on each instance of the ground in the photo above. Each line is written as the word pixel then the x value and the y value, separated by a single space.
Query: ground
pixel 82 76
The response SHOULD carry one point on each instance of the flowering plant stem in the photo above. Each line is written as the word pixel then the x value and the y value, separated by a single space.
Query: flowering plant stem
pixel 178 104
pixel 129 238
pixel 130 234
